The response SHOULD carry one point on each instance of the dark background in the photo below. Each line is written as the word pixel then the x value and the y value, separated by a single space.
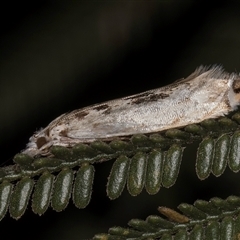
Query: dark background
pixel 60 56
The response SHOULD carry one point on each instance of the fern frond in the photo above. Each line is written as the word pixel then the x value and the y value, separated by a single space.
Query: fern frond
pixel 214 154
pixel 216 219
pixel 49 189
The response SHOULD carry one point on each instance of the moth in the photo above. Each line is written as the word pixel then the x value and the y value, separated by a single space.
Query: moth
pixel 209 92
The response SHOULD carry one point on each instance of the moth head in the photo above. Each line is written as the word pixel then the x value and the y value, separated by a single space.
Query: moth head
pixel 39 144
pixel 234 94
pixel 236 85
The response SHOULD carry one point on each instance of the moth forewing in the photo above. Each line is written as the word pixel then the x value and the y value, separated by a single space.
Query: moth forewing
pixel 207 93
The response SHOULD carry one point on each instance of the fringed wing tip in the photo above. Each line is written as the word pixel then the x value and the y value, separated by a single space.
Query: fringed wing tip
pixel 215 71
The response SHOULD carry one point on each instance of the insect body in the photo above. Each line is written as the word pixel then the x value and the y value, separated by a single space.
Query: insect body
pixel 207 93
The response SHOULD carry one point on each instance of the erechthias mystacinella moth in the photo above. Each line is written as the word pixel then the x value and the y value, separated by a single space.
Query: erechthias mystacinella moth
pixel 206 93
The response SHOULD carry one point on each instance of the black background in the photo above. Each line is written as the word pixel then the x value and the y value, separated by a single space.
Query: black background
pixel 60 56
